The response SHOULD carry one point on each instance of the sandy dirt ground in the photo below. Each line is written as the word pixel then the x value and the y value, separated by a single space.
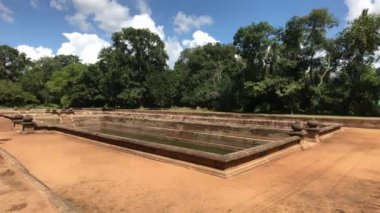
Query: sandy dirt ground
pixel 15 194
pixel 342 174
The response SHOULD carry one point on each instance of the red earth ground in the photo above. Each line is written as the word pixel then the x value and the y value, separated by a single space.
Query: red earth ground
pixel 15 194
pixel 18 196
pixel 341 174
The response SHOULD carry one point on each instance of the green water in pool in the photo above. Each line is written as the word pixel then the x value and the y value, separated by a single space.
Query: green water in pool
pixel 173 142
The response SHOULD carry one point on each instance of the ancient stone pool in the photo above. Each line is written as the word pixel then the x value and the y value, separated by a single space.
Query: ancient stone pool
pixel 220 144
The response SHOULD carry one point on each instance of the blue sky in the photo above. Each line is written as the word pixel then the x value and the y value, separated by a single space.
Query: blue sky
pixel 82 27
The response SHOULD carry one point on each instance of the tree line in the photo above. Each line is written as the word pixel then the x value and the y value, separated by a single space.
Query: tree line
pixel 297 68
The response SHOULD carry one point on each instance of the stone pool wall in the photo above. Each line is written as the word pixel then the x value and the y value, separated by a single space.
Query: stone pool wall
pixel 347 121
pixel 245 139
pixel 228 129
pixel 220 162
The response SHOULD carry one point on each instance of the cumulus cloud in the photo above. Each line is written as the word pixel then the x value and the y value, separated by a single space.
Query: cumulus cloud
pixel 85 46
pixel 108 15
pixel 173 49
pixel 144 21
pixel 200 38
pixel 80 21
pixel 59 4
pixel 35 53
pixel 184 23
pixel 143 7
pixel 112 19
pixel 111 16
pixel 6 14
pixel 355 7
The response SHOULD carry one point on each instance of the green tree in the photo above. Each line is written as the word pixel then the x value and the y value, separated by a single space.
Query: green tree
pixel 358 44
pixel 12 63
pixel 11 94
pixel 275 94
pixel 258 45
pixel 63 81
pixel 86 91
pixel 34 80
pixel 210 76
pixel 308 55
pixel 162 87
pixel 134 55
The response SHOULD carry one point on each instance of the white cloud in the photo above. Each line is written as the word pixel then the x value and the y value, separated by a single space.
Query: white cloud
pixel 200 38
pixel 143 7
pixel 173 49
pixel 144 21
pixel 59 4
pixel 355 7
pixel 35 53
pixel 80 20
pixel 184 23
pixel 85 46
pixel 109 15
pixel 6 14
pixel 34 3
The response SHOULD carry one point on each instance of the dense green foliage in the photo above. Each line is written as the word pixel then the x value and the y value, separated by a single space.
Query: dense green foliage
pixel 210 77
pixel 294 69
pixel 126 66
pixel 11 94
pixel 12 64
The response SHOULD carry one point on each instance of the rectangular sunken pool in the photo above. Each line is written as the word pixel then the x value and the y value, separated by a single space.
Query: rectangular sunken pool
pixel 178 142
pixel 214 146
pixel 215 155
pixel 254 132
